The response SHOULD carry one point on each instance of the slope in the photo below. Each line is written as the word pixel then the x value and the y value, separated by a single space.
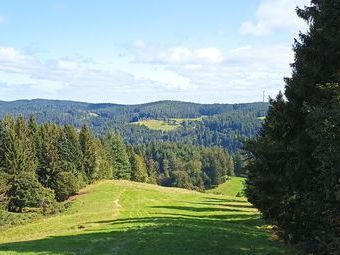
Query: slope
pixel 232 187
pixel 121 217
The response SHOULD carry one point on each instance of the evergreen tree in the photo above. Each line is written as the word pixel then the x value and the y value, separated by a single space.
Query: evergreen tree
pixel 17 149
pixel 287 169
pixel 69 147
pixel 152 168
pixel 49 158
pixel 89 150
pixel 65 185
pixel 118 153
pixel 26 191
pixel 138 168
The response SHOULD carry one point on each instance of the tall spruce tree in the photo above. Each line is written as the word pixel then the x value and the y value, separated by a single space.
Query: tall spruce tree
pixel 119 157
pixel 138 167
pixel 17 148
pixel 89 150
pixel 49 158
pixel 69 150
pixel 289 179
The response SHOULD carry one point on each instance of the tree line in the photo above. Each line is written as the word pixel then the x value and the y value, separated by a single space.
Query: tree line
pixel 41 165
pixel 223 124
pixel 227 130
pixel 294 163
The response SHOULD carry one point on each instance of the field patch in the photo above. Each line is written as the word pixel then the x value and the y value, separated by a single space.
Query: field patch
pixel 165 125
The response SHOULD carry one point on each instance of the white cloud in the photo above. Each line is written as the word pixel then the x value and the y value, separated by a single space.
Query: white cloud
pixel 181 72
pixel 10 55
pixel 12 60
pixel 211 55
pixel 156 54
pixel 2 19
pixel 274 15
pixel 74 78
pixel 245 71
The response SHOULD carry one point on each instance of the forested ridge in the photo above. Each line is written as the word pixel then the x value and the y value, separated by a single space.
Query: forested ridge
pixel 224 125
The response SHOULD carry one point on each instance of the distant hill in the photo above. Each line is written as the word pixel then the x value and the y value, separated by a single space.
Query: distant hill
pixel 222 125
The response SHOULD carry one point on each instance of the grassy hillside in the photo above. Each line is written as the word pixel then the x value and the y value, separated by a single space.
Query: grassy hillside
pixel 230 188
pixel 157 125
pixel 163 125
pixel 120 217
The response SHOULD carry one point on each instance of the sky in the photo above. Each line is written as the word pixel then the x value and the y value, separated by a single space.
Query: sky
pixel 137 51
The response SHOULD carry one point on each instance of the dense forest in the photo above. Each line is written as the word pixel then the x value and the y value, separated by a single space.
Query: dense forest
pixel 294 163
pixel 224 125
pixel 41 165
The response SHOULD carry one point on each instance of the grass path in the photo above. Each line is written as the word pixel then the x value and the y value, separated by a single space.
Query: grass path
pixel 121 217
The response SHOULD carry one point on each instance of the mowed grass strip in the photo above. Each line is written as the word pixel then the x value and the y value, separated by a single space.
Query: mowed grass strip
pixel 121 217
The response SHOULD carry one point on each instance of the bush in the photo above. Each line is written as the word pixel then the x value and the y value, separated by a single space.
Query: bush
pixel 26 191
pixel 181 179
pixel 65 185
pixel 8 219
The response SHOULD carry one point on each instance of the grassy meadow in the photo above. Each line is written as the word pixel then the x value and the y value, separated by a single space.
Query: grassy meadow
pixel 163 125
pixel 231 187
pixel 122 217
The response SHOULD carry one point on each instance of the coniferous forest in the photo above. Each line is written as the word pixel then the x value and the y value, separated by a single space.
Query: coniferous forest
pixel 225 125
pixel 48 163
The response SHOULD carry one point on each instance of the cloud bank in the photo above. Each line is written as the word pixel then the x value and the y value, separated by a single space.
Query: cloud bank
pixel 274 15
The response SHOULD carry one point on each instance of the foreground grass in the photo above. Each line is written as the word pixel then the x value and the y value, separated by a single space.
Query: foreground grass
pixel 231 187
pixel 121 217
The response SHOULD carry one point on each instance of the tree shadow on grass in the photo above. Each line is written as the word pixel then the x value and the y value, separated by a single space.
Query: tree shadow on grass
pixel 161 236
pixel 165 234
pixel 201 209
pixel 230 203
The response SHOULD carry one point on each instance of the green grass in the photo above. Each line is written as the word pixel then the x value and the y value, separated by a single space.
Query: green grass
pixel 157 125
pixel 230 188
pixel 121 217
pixel 181 120
pixel 162 125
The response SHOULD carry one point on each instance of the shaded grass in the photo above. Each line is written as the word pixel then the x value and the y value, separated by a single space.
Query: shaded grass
pixel 231 187
pixel 120 217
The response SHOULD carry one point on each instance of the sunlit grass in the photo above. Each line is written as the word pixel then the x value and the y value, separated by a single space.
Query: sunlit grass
pixel 121 217
pixel 232 187
pixel 165 125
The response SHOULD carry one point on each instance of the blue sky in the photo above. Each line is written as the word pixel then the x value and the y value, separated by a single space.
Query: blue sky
pixel 136 51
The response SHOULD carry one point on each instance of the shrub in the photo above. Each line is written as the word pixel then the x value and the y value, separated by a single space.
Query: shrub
pixel 26 191
pixel 65 185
